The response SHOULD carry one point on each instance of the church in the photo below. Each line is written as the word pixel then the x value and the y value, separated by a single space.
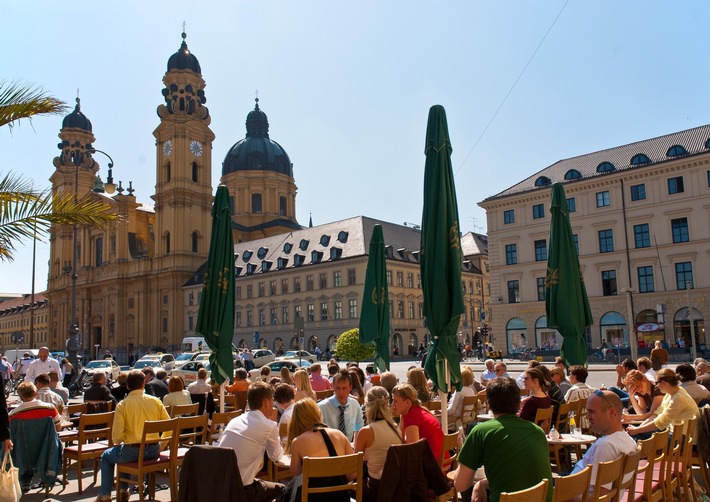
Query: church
pixel 138 283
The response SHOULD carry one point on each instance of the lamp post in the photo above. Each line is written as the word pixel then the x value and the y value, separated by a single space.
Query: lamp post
pixel 77 157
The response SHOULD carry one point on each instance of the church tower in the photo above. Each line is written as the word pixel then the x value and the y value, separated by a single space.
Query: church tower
pixel 183 189
pixel 259 175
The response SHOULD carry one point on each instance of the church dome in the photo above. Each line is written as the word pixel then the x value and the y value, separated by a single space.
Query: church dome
pixel 76 119
pixel 183 59
pixel 257 151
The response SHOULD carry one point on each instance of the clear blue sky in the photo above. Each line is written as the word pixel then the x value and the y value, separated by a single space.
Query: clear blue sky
pixel 347 87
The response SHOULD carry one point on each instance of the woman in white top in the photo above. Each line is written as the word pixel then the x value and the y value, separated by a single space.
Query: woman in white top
pixel 377 436
pixel 456 403
pixel 177 393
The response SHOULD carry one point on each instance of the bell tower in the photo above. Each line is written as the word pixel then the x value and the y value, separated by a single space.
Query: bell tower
pixel 183 189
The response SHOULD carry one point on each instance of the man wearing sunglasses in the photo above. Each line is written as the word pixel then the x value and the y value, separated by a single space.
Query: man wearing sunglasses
pixel 604 415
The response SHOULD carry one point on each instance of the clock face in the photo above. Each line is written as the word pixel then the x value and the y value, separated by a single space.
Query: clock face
pixel 168 147
pixel 196 148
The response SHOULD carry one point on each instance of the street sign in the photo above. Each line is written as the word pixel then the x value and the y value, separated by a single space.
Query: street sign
pixel 483 316
pixel 256 338
pixel 300 340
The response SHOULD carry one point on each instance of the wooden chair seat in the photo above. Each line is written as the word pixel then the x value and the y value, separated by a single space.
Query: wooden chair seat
pixel 537 493
pixel 93 438
pixel 573 487
pixel 90 447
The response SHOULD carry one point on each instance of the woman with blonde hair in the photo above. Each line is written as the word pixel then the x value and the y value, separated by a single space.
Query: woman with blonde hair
pixel 303 386
pixel 286 376
pixel 308 436
pixel 456 403
pixel 644 396
pixel 417 379
pixel 416 422
pixel 677 405
pixel 377 436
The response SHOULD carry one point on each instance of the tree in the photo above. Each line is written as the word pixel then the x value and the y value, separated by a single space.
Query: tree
pixel 24 211
pixel 349 347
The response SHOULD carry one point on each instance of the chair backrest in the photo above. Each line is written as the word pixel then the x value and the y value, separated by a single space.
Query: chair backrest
pixel 562 416
pixel 451 444
pixel 179 410
pixel 627 478
pixel 230 403
pixel 608 473
pixel 319 467
pixel 323 394
pixel 241 399
pixel 74 411
pixel 543 418
pixel 219 420
pixel 201 402
pixel 537 493
pixel 98 406
pixel 162 428
pixel 468 409
pixel 433 405
pixel 690 434
pixel 192 429
pixel 573 487
pixel 283 429
pixel 95 427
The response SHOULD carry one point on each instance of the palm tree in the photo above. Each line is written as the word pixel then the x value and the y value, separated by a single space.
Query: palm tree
pixel 24 211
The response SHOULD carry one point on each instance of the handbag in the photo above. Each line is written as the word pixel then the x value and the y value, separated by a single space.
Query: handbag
pixel 10 490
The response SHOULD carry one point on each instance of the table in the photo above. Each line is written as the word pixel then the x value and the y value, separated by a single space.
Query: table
pixel 477 476
pixel 484 417
pixel 565 441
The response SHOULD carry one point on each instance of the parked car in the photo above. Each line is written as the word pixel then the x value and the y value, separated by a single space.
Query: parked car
pixel 261 357
pixel 276 368
pixel 183 358
pixel 298 354
pixel 153 363
pixel 167 361
pixel 108 366
pixel 188 371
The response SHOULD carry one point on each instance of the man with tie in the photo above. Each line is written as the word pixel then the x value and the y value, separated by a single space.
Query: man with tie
pixel 340 411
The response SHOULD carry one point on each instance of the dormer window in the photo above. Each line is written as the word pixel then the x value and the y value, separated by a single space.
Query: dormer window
pixel 246 256
pixel 343 235
pixel 606 167
pixel 316 256
pixel 543 181
pixel 288 247
pixel 640 159
pixel 335 253
pixel 676 151
pixel 573 174
pixel 303 245
pixel 281 263
pixel 298 260
pixel 324 240
pixel 266 265
pixel 261 254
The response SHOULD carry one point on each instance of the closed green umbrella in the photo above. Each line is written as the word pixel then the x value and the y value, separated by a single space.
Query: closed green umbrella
pixel 215 319
pixel 440 256
pixel 566 302
pixel 374 318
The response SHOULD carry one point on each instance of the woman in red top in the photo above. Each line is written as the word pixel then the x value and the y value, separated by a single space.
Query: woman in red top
pixel 416 422
pixel 536 385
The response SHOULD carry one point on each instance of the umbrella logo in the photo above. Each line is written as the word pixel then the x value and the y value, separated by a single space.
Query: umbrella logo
pixel 552 277
pixel 454 236
pixel 378 298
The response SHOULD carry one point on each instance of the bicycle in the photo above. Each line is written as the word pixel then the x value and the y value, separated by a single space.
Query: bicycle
pixel 603 356
pixel 527 354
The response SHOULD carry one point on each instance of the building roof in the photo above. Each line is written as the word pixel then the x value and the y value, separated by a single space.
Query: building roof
pixel 183 59
pixel 632 156
pixel 76 119
pixel 338 240
pixel 23 302
pixel 473 244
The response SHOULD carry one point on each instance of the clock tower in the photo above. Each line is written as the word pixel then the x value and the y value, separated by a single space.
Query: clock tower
pixel 183 190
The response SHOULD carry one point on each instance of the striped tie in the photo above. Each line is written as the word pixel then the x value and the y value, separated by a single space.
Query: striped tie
pixel 341 422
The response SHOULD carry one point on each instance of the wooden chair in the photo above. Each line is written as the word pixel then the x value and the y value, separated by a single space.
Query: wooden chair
pixel 451 444
pixel 543 418
pixel 627 478
pixel 219 421
pixel 180 410
pixel 675 458
pixel 573 487
pixel 94 437
pixel 164 462
pixel 323 394
pixel 560 454
pixel 276 472
pixel 230 403
pixel 74 412
pixel 537 493
pixel 433 406
pixel 241 400
pixel 686 473
pixel 608 473
pixel 98 406
pixel 468 410
pixel 562 417
pixel 650 483
pixel 318 467
pixel 192 430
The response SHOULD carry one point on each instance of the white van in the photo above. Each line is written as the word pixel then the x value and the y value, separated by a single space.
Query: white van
pixel 16 354
pixel 197 344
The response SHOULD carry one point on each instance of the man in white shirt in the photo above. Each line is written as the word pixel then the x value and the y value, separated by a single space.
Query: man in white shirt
pixel 490 373
pixel 250 435
pixel 45 394
pixel 604 414
pixel 644 365
pixel 42 365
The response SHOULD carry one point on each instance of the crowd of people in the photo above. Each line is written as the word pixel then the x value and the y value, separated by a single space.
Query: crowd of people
pixel 369 412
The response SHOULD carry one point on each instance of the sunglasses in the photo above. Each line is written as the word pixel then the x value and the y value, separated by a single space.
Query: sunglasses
pixel 601 394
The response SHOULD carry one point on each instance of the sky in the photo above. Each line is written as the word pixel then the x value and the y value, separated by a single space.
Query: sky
pixel 347 86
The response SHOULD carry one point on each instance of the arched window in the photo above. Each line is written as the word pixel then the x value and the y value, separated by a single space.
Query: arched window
pixel 256 203
pixel 547 338
pixel 167 171
pixel 543 181
pixel 195 239
pixel 606 167
pixel 167 242
pixel 194 172
pixel 640 159
pixel 282 206
pixel 613 329
pixel 676 151
pixel 573 174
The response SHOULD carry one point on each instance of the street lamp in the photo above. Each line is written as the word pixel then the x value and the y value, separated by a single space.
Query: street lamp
pixel 78 158
pixel 691 318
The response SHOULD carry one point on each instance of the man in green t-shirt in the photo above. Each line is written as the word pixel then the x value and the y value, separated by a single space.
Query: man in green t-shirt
pixel 513 451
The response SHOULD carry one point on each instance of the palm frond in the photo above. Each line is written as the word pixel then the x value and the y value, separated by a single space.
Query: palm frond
pixel 22 101
pixel 30 214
